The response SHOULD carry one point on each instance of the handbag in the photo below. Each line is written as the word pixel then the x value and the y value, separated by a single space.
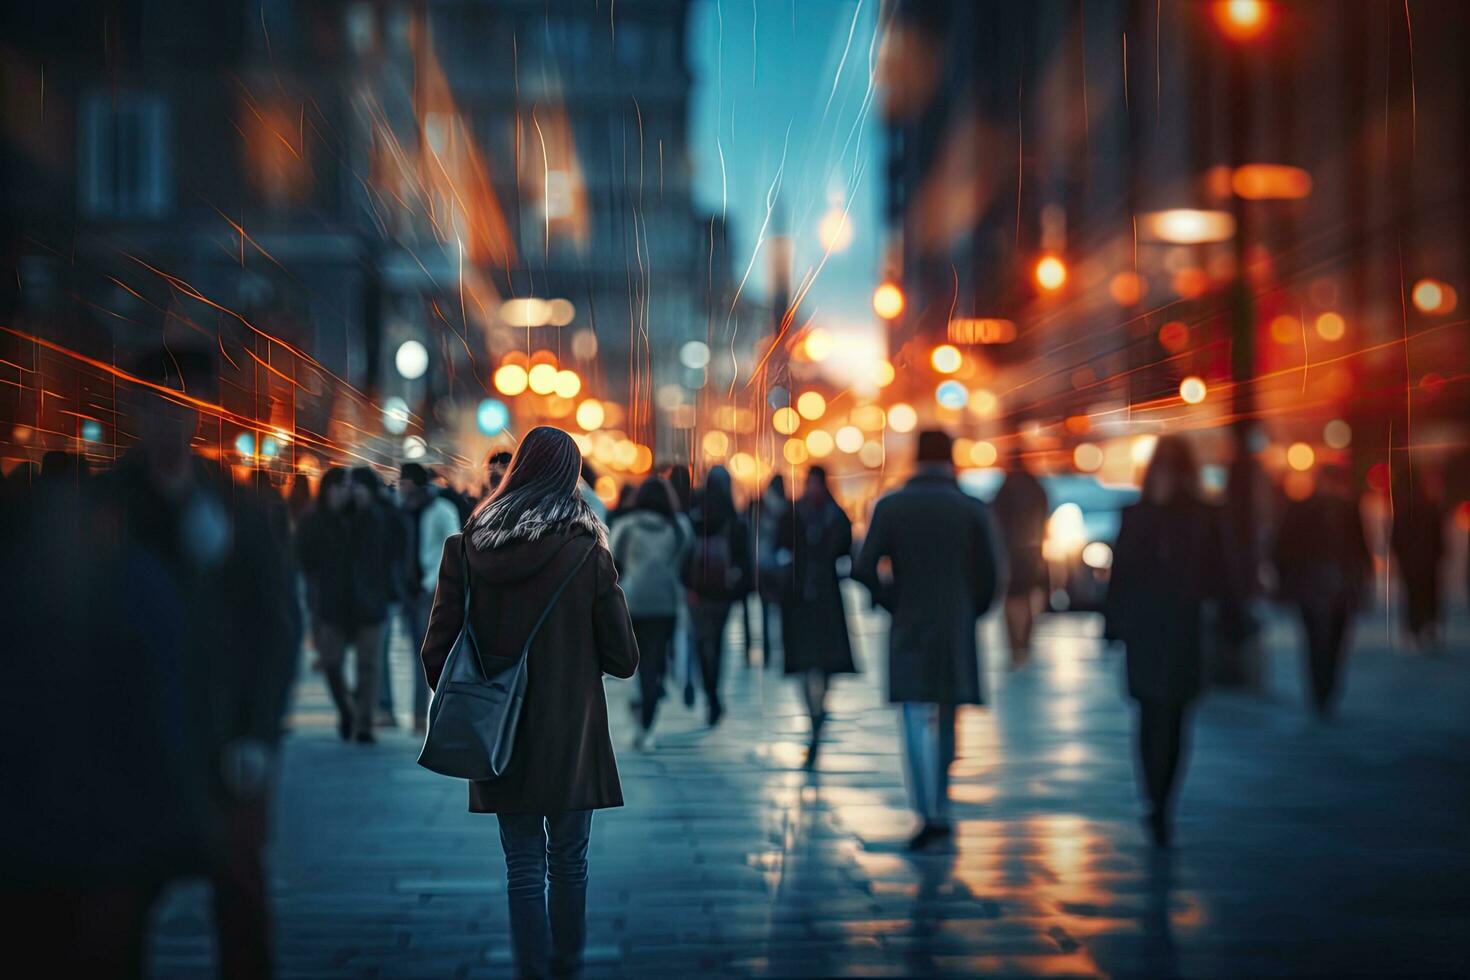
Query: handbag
pixel 475 712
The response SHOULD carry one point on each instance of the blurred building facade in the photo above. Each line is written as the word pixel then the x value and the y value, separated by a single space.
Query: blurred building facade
pixel 309 186
pixel 1020 132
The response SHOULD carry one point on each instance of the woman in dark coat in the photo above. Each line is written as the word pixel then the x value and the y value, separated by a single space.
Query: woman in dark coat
pixel 1418 548
pixel 717 572
pixel 346 552
pixel 521 543
pixel 815 533
pixel 1169 560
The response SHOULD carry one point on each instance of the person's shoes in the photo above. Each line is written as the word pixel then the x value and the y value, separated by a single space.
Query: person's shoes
pixel 644 741
pixel 344 726
pixel 1158 829
pixel 716 711
pixel 365 738
pixel 689 694
pixel 931 833
pixel 812 749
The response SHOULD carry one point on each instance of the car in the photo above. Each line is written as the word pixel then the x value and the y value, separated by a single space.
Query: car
pixel 1083 524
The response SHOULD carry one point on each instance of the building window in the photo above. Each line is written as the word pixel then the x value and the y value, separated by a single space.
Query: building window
pixel 126 158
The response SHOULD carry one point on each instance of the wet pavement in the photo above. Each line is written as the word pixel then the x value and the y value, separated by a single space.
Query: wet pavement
pixel 1301 848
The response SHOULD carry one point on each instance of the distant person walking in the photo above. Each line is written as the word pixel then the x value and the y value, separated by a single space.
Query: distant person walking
pixel 717 573
pixel 943 575
pixel 1418 549
pixel 1169 560
pixel 347 555
pixel 765 516
pixel 1323 563
pixel 817 534
pixel 648 546
pixel 1020 509
pixel 520 545
pixel 432 519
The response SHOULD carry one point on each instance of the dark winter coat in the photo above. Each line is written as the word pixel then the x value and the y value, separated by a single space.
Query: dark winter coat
pixel 1168 562
pixel 813 621
pixel 945 570
pixel 353 561
pixel 1321 554
pixel 563 758
pixel 712 540
pixel 1020 510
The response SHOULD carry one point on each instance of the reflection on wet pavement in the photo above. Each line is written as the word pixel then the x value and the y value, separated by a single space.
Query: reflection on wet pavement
pixel 1301 849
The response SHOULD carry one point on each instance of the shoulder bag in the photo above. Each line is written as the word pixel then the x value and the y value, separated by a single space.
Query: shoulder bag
pixel 475 711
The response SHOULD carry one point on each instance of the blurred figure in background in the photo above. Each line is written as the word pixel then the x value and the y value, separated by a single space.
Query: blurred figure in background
pixel 432 518
pixel 347 557
pixel 1418 549
pixel 765 515
pixel 717 573
pixel 402 572
pixel 682 483
pixel 158 613
pixel 298 499
pixel 464 505
pixel 497 461
pixel 627 493
pixel 1168 561
pixel 817 534
pixel 1020 509
pixel 648 547
pixel 942 572
pixel 1323 563
pixel 585 488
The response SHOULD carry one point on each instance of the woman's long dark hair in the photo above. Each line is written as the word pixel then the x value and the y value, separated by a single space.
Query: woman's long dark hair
pixel 717 505
pixel 655 495
pixel 538 494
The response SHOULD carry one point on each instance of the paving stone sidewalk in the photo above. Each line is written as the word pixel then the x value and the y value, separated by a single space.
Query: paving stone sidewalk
pixel 1338 849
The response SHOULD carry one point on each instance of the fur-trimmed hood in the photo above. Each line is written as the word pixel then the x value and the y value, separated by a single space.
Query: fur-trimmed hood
pixel 490 527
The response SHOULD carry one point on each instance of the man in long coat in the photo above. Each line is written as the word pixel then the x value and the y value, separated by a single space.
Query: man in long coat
pixel 943 575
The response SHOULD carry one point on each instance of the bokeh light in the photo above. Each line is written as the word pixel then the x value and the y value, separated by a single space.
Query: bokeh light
pixel 811 405
pixel 1193 390
pixel 902 417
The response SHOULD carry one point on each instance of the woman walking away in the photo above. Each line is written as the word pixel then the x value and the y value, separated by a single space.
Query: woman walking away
pixel 1417 539
pixel 717 572
pixel 347 558
pixel 648 546
pixel 817 533
pixel 519 546
pixel 1168 561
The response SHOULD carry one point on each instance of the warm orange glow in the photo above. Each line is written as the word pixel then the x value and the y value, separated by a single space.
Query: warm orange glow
pixel 819 443
pixel 1173 336
pixel 542 378
pixel 981 330
pixel 1286 329
pixel 715 444
pixel 883 374
pixel 795 452
pixel 1271 182
pixel 510 379
pixel 818 345
pixel 568 384
pixel 888 301
pixel 811 405
pixel 1330 326
pixel 1051 273
pixel 849 438
pixel 946 359
pixel 1300 456
pixel 983 403
pixel 902 418
pixel 983 454
pixel 1087 457
pixel 1241 20
pixel 1433 296
pixel 1127 288
pixel 785 421
pixel 1187 226
pixel 590 414
pixel 835 229
pixel 1193 390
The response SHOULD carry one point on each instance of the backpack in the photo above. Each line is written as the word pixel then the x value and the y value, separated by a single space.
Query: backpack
pixel 710 570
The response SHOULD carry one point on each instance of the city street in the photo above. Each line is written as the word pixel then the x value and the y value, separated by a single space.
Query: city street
pixel 1330 849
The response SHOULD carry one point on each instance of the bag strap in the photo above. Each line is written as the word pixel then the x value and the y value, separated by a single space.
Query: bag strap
pixel 464 575
pixel 525 650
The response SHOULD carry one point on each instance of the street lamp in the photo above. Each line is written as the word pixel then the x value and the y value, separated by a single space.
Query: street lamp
pixel 1241 20
pixel 1051 273
pixel 888 301
pixel 412 360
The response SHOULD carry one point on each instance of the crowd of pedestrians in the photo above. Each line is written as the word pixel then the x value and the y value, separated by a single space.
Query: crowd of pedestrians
pixel 172 647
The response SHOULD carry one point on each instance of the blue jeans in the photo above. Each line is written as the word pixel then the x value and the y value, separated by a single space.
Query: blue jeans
pixel 928 744
pixel 548 926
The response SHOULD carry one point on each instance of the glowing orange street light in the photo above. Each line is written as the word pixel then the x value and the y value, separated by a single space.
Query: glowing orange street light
pixel 1051 273
pixel 1193 390
pixel 888 301
pixel 1241 20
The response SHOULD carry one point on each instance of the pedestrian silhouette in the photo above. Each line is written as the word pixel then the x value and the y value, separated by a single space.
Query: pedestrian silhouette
pixel 1020 509
pixel 1168 561
pixel 942 576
